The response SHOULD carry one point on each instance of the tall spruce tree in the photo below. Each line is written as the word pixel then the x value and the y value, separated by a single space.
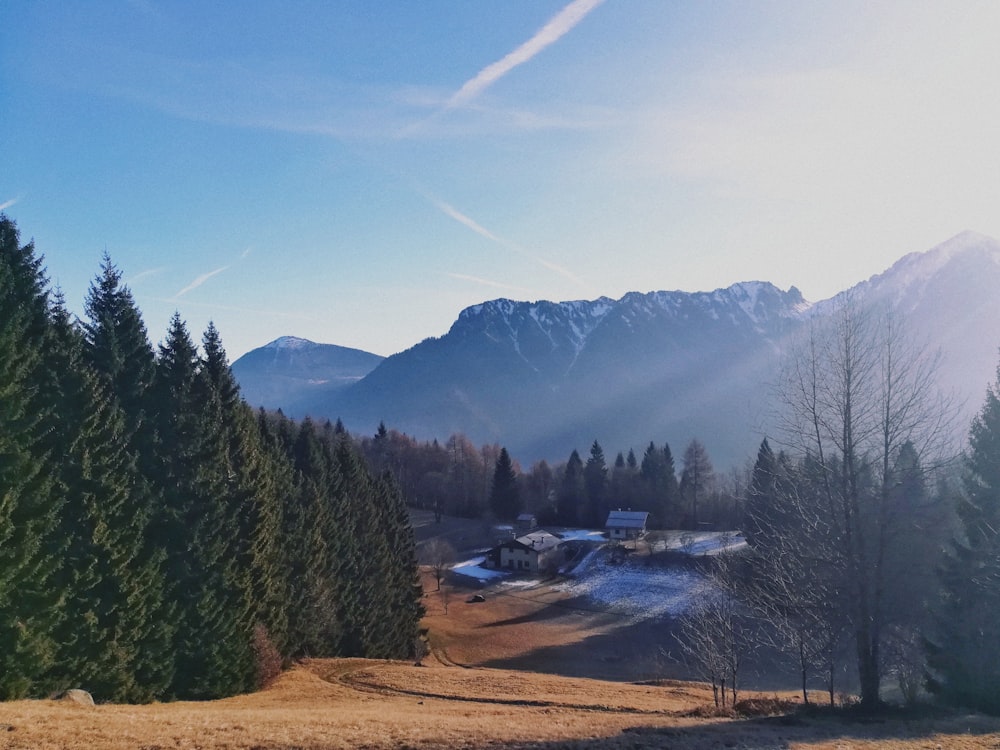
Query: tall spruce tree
pixel 119 350
pixel 964 651
pixel 114 587
pixel 404 590
pixel 572 492
pixel 267 479
pixel 595 479
pixel 310 517
pixel 197 529
pixel 505 496
pixel 117 347
pixel 761 500
pixel 29 499
pixel 659 480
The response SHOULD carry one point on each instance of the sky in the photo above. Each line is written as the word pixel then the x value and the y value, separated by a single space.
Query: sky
pixel 357 173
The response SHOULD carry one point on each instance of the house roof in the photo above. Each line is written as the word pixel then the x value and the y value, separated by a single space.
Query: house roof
pixel 539 541
pixel 626 519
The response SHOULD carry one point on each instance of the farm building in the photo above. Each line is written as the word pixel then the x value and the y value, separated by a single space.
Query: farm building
pixel 626 524
pixel 530 553
pixel 526 522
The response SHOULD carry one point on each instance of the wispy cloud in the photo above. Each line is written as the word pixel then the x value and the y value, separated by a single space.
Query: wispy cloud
pixel 461 218
pixel 488 282
pixel 482 231
pixel 561 271
pixel 144 275
pixel 200 280
pixel 557 27
pixel 7 204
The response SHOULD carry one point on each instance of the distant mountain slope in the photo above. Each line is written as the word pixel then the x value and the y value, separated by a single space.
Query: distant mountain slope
pixel 949 296
pixel 290 373
pixel 543 378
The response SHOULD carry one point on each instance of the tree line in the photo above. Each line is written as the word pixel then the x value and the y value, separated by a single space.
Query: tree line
pixel 159 539
pixel 873 548
pixel 457 478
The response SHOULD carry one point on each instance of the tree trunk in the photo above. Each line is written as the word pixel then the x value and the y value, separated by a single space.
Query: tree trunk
pixel 868 671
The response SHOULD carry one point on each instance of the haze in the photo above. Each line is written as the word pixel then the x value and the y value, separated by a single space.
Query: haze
pixel 357 173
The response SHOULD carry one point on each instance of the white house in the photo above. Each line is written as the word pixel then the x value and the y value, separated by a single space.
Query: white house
pixel 530 553
pixel 626 524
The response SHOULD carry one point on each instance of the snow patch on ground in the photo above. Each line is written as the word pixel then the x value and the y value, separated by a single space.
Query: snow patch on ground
pixel 521 583
pixel 698 544
pixel 635 590
pixel 581 535
pixel 472 569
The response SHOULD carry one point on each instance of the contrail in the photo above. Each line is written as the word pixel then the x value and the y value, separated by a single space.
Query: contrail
pixel 199 281
pixel 479 229
pixel 467 221
pixel 144 274
pixel 550 33
pixel 487 282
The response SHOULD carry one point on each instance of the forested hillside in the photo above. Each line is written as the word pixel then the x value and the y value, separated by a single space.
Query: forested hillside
pixel 158 538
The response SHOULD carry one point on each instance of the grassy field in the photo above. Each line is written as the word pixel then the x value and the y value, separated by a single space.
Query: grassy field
pixel 467 696
pixel 354 703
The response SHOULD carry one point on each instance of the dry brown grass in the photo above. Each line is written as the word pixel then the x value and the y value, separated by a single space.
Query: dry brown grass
pixel 357 703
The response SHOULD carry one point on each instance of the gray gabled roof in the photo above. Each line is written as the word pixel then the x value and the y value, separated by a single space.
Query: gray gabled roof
pixel 539 541
pixel 627 519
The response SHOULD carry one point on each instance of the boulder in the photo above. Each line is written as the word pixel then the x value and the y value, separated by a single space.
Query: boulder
pixel 74 695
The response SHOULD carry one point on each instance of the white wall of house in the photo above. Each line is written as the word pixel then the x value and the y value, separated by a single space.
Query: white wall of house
pixel 518 558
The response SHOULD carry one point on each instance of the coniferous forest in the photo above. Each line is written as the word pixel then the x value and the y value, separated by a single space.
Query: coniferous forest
pixel 159 539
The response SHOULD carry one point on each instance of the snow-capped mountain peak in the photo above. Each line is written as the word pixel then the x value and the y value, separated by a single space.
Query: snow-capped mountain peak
pixel 289 342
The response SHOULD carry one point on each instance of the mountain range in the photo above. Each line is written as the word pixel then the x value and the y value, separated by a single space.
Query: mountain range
pixel 543 378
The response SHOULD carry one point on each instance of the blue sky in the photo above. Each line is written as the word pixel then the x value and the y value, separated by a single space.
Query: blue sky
pixel 358 172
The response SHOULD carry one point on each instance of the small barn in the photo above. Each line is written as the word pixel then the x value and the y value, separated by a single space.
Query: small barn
pixel 530 553
pixel 526 522
pixel 626 524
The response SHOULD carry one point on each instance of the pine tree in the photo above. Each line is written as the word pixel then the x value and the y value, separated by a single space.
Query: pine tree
pixel 116 346
pixel 114 589
pixel 964 652
pixel 119 350
pixel 198 529
pixel 671 493
pixel 364 571
pixel 223 455
pixel 761 501
pixel 505 496
pixel 404 590
pixel 315 605
pixel 572 492
pixel 29 499
pixel 659 480
pixel 266 478
pixel 595 478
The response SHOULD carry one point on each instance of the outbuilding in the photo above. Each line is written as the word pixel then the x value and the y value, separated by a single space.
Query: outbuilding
pixel 626 524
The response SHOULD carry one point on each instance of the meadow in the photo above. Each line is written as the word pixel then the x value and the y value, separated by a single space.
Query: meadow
pixel 466 695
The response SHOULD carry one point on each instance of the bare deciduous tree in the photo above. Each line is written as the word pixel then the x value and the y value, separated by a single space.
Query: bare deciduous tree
pixel 857 394
pixel 438 554
pixel 715 636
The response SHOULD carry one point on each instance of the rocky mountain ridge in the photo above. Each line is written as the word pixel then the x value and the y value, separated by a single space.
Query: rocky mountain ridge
pixel 545 377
